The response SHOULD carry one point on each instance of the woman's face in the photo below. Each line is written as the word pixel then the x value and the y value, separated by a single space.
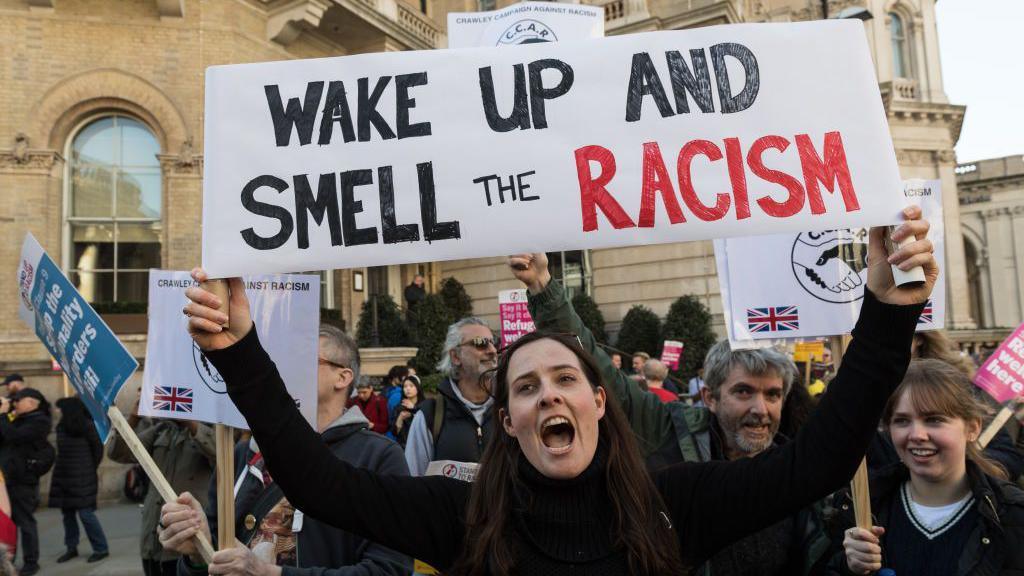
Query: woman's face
pixel 553 410
pixel 409 389
pixel 933 446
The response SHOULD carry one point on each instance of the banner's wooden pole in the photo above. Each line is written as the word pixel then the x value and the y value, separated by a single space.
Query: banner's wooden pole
pixel 998 422
pixel 807 375
pixel 861 496
pixel 225 487
pixel 859 485
pixel 156 477
pixel 220 289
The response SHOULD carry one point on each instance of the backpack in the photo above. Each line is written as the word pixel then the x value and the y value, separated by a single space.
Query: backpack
pixel 136 484
pixel 41 460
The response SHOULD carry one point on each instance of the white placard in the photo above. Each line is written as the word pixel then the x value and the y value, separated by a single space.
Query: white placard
pixel 393 158
pixel 180 382
pixel 811 284
pixel 525 23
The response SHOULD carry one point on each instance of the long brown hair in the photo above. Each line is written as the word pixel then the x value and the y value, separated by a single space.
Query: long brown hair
pixel 937 387
pixel 640 525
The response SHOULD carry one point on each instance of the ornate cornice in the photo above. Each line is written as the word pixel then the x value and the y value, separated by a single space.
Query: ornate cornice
pixel 922 113
pixel 21 158
pixel 813 11
pixel 185 163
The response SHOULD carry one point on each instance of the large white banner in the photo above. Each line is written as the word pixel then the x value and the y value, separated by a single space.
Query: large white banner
pixel 179 381
pixel 641 139
pixel 525 23
pixel 808 284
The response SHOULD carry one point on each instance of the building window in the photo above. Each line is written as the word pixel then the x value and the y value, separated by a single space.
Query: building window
pixel 113 209
pixel 900 57
pixel 573 269
pixel 487 5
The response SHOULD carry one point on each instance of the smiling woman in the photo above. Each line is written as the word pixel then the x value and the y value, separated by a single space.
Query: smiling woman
pixel 943 493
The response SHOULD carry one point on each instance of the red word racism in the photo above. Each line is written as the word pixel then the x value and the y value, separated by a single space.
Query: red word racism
pixel 827 169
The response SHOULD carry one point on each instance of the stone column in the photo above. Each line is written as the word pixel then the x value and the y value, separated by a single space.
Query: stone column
pixel 1006 290
pixel 1016 217
pixel 958 306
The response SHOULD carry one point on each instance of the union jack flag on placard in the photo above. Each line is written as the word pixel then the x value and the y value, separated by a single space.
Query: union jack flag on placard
pixel 926 314
pixel 172 399
pixel 773 319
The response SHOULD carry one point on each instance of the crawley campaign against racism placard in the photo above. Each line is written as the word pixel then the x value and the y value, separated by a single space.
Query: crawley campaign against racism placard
pixel 181 382
pixel 95 361
pixel 525 23
pixel 399 157
pixel 807 284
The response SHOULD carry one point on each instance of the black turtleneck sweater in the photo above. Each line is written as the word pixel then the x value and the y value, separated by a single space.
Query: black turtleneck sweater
pixel 710 504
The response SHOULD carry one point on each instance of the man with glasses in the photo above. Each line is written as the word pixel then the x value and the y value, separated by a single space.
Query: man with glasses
pixel 456 425
pixel 275 534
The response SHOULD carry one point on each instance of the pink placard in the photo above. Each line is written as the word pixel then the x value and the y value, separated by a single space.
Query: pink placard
pixel 1002 375
pixel 671 351
pixel 515 316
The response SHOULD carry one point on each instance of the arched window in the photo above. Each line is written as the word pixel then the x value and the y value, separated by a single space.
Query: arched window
pixel 113 209
pixel 900 59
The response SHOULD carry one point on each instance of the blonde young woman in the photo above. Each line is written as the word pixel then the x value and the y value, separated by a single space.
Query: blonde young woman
pixel 944 509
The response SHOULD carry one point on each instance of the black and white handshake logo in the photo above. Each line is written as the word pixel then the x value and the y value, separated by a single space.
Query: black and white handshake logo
pixel 832 265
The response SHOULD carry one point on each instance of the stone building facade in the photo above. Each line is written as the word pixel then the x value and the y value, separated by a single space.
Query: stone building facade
pixel 101 137
pixel 991 195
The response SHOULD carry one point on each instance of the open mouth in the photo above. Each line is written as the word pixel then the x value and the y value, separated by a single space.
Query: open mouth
pixel 923 452
pixel 756 429
pixel 557 434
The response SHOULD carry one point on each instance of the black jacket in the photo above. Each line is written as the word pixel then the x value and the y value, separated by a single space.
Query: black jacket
pixel 321 549
pixel 996 544
pixel 21 439
pixel 710 504
pixel 460 438
pixel 74 483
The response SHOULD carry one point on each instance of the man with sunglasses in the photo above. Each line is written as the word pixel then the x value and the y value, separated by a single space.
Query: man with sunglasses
pixel 457 424
pixel 278 538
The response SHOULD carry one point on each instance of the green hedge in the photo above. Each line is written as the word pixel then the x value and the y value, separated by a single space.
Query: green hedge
pixel 689 321
pixel 640 332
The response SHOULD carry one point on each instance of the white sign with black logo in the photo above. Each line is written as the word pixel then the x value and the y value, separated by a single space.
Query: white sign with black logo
pixel 525 23
pixel 179 381
pixel 812 283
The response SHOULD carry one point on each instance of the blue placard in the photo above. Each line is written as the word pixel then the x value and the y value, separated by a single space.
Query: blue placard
pixel 95 361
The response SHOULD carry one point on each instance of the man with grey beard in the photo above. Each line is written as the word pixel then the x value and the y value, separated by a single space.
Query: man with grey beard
pixel 744 393
pixel 457 424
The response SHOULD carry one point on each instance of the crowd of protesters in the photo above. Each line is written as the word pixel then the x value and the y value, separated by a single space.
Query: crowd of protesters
pixel 583 467
pixel 581 464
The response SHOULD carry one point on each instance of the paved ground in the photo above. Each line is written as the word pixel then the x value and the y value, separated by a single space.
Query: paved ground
pixel 121 524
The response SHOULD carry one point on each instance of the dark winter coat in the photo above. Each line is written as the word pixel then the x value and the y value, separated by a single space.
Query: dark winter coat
pixel 996 544
pixel 20 439
pixel 74 483
pixel 320 549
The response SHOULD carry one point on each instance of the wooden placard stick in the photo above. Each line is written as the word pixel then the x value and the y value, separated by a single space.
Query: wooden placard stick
pixel 219 288
pixel 156 477
pixel 998 422
pixel 859 485
pixel 225 441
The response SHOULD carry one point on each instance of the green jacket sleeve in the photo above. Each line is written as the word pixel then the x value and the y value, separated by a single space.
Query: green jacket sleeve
pixel 650 420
